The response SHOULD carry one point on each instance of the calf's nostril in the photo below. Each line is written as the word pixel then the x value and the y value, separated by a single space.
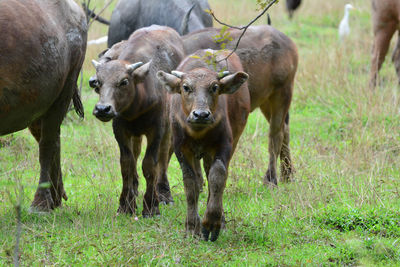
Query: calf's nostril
pixel 107 109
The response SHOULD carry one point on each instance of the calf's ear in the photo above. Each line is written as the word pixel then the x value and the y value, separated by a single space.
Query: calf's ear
pixel 231 83
pixel 170 82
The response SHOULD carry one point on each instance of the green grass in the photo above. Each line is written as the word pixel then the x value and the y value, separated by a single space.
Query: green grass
pixel 342 207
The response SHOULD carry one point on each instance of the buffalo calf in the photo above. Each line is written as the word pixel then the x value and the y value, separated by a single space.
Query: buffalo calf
pixel 133 98
pixel 270 58
pixel 209 110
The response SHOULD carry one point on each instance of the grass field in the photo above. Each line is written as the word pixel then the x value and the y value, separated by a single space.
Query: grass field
pixel 342 207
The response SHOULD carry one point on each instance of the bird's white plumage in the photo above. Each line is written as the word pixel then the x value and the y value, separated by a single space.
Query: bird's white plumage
pixel 344 27
pixel 101 40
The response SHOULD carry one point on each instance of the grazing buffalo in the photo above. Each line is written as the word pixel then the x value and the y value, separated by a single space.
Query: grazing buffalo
pixel 182 15
pixel 291 6
pixel 270 58
pixel 209 110
pixel 131 95
pixel 386 21
pixel 39 67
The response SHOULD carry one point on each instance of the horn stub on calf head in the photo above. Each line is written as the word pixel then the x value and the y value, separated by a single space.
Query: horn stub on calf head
pixel 95 63
pixel 132 67
pixel 177 74
pixel 139 70
pixel 170 82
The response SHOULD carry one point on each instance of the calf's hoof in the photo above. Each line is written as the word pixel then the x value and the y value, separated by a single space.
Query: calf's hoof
pixel 270 178
pixel 127 208
pixel 164 194
pixel 147 214
pixel 154 211
pixel 206 234
pixel 42 202
pixel 212 223
pixel 193 226
pixel 165 198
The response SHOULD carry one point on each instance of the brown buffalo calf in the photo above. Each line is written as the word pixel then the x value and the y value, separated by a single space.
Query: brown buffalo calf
pixel 208 114
pixel 132 96
pixel 42 48
pixel 386 21
pixel 270 58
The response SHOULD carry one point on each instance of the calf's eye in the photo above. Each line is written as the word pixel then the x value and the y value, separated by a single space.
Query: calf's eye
pixel 124 82
pixel 214 88
pixel 186 88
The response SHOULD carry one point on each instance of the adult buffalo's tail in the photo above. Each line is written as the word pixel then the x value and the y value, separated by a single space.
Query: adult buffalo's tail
pixel 185 22
pixel 269 20
pixel 76 99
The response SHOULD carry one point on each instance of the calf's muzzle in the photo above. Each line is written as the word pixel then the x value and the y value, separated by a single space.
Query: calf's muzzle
pixel 200 116
pixel 104 112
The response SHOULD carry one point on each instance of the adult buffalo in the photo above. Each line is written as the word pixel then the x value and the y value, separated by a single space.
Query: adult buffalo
pixel 270 58
pixel 182 15
pixel 291 6
pixel 209 110
pixel 131 95
pixel 39 67
pixel 386 22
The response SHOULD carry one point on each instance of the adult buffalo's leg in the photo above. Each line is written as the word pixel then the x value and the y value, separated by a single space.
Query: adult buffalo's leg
pixel 129 151
pixel 286 162
pixel 163 188
pixel 192 191
pixel 383 32
pixel 213 216
pixel 151 169
pixel 51 189
pixel 277 115
pixel 396 56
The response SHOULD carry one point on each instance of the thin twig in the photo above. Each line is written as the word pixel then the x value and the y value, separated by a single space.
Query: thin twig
pixel 101 11
pixel 243 28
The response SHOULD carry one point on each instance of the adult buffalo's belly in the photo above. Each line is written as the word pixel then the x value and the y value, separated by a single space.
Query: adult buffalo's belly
pixel 20 106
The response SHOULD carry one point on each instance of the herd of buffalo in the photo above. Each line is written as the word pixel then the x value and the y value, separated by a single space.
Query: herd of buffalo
pixel 173 84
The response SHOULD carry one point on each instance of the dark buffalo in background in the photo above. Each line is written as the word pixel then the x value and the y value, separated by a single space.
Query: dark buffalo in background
pixel 39 67
pixel 291 6
pixel 129 15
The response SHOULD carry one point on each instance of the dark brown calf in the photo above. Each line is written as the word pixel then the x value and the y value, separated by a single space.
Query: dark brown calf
pixel 42 48
pixel 131 95
pixel 209 111
pixel 270 59
pixel 386 21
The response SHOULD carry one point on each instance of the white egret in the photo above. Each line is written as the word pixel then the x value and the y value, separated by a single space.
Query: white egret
pixel 344 28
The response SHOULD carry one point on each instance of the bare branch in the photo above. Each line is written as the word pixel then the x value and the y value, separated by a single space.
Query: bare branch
pixel 243 28
pixel 101 11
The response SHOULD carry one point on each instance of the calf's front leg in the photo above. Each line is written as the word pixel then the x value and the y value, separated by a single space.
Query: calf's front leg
pixel 128 161
pixel 212 220
pixel 192 191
